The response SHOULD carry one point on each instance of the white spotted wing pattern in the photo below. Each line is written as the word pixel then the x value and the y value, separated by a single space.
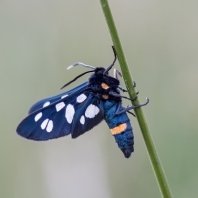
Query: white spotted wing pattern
pixel 47 101
pixel 73 114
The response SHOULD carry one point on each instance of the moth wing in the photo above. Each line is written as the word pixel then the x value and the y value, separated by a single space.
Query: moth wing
pixel 90 114
pixel 47 101
pixel 62 118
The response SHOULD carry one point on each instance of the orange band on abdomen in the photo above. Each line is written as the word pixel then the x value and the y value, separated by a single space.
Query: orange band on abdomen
pixel 120 128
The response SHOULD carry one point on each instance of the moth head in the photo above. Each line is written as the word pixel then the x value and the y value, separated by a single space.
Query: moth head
pixel 99 71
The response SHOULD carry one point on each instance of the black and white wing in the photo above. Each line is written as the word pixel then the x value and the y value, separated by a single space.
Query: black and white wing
pixel 74 114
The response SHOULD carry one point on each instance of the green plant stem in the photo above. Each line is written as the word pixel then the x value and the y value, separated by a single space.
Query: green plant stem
pixel 158 170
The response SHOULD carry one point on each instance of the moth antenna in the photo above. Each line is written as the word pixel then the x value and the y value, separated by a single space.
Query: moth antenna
pixel 82 64
pixel 75 78
pixel 112 64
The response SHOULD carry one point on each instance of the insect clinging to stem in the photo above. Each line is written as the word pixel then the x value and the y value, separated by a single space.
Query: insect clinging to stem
pixel 80 109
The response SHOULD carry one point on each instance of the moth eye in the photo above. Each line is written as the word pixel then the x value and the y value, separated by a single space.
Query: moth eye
pixel 100 73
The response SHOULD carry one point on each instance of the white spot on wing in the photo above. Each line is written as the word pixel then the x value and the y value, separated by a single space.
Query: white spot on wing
pixel 81 98
pixel 82 119
pixel 64 96
pixel 46 104
pixel 38 116
pixel 59 106
pixel 91 111
pixel 69 113
pixel 44 124
pixel 49 126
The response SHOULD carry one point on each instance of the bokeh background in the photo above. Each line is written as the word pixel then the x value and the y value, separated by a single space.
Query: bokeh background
pixel 38 39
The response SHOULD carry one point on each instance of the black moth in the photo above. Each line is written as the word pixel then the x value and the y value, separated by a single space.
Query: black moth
pixel 82 108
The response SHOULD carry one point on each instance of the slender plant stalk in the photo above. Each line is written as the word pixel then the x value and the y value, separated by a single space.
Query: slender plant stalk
pixel 158 170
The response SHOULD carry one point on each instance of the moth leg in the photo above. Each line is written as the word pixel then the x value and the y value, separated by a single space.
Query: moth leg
pixel 134 84
pixel 132 107
pixel 112 93
pixel 131 113
pixel 118 108
pixel 124 90
pixel 119 96
pixel 116 73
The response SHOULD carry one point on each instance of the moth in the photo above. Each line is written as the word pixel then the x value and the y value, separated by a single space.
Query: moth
pixel 80 109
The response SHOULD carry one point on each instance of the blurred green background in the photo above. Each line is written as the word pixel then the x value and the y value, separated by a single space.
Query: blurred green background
pixel 38 39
